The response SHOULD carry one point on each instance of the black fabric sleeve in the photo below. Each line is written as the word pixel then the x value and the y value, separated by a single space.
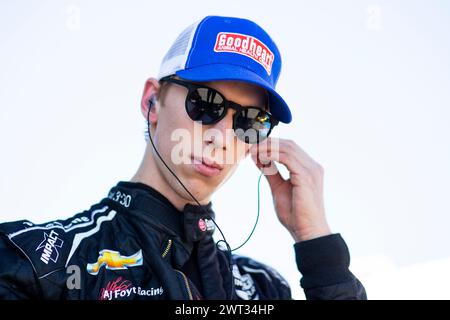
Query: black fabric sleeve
pixel 17 278
pixel 324 263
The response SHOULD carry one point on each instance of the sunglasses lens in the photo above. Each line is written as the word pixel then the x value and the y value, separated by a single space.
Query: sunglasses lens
pixel 205 105
pixel 252 125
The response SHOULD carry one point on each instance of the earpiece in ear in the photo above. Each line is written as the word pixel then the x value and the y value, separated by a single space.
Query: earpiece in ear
pixel 152 101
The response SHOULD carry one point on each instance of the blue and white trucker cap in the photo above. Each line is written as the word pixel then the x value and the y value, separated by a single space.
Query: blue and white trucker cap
pixel 225 48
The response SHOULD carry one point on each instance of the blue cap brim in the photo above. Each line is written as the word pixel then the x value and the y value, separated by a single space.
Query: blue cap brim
pixel 223 72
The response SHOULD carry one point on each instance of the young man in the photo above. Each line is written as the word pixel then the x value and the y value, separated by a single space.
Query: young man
pixel 151 237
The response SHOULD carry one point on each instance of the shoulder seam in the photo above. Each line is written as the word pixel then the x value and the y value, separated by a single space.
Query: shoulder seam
pixel 66 228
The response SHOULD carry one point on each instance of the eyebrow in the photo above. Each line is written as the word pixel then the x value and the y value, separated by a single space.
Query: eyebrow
pixel 207 84
pixel 265 106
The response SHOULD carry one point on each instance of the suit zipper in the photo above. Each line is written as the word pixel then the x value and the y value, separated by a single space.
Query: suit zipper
pixel 166 251
pixel 186 282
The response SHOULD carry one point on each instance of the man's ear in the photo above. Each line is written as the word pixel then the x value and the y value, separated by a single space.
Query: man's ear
pixel 151 91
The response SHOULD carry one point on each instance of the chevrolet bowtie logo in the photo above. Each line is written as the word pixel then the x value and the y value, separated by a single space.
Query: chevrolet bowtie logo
pixel 113 260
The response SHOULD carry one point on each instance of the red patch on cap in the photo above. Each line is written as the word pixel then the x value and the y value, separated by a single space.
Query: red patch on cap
pixel 246 45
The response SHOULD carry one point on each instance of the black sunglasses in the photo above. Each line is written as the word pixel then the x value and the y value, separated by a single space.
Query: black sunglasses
pixel 205 104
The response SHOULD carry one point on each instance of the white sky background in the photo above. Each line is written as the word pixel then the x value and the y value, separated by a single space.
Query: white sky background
pixel 367 81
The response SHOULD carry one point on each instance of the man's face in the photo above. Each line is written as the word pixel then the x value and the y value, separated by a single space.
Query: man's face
pixel 202 156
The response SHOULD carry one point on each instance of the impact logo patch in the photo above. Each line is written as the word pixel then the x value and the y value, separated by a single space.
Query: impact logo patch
pixel 246 45
pixel 49 245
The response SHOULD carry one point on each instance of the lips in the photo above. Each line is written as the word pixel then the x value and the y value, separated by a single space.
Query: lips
pixel 206 167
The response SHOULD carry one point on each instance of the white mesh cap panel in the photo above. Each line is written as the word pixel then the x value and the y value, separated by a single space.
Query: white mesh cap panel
pixel 175 59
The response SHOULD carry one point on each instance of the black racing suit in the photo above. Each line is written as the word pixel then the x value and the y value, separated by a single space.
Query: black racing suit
pixel 134 244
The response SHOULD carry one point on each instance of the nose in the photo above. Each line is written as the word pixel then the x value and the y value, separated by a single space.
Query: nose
pixel 221 134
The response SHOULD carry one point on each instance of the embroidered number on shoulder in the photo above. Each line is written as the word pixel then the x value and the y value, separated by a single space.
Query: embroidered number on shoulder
pixel 120 197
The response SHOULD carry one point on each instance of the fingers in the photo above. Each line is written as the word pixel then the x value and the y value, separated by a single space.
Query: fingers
pixel 283 152
pixel 286 152
pixel 271 172
pixel 299 164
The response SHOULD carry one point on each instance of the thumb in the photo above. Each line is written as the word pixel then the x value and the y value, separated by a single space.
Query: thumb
pixel 270 171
